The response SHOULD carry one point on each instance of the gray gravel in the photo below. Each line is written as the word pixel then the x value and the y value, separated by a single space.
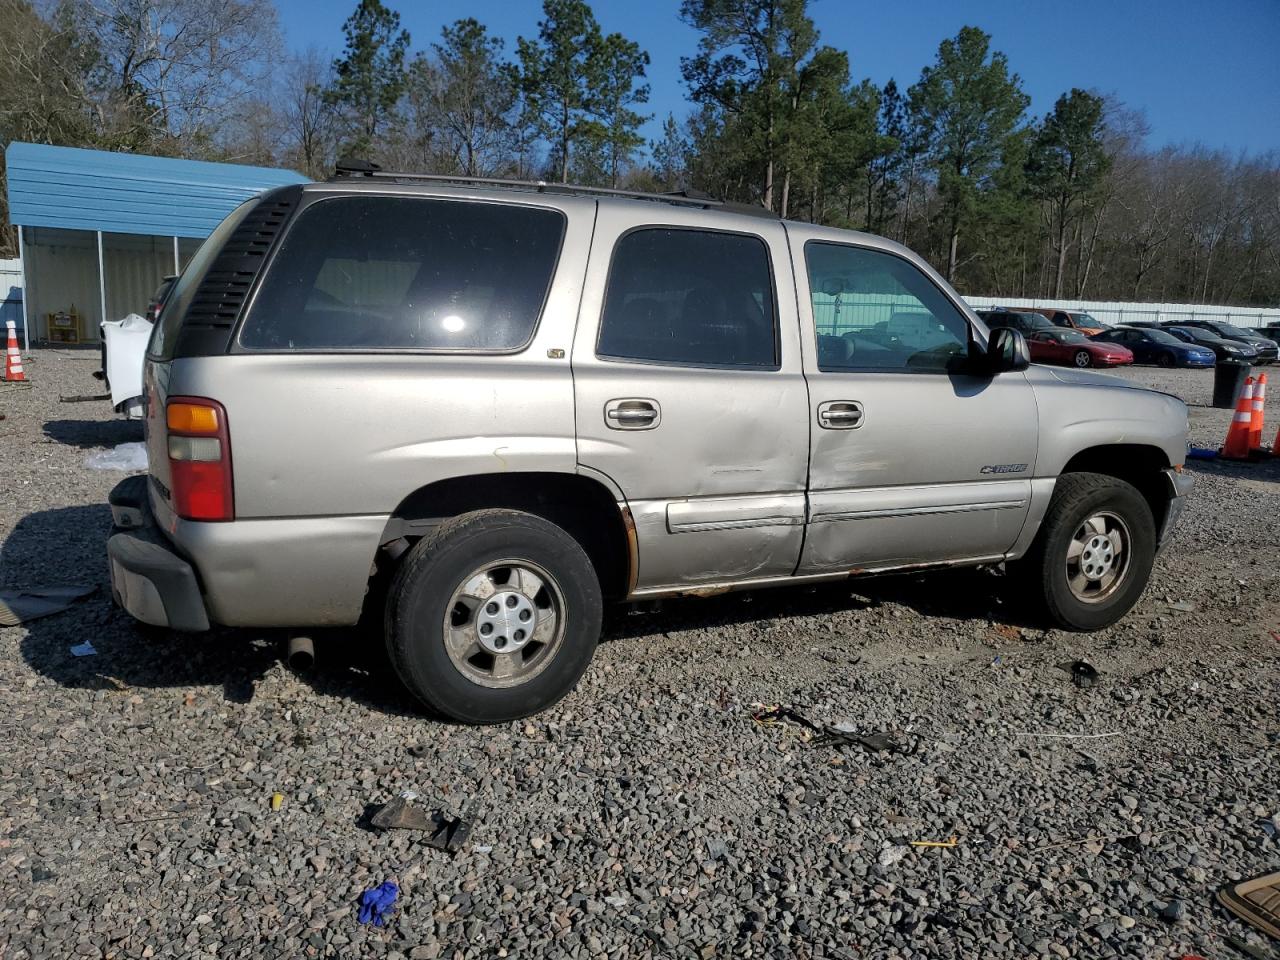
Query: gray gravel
pixel 647 814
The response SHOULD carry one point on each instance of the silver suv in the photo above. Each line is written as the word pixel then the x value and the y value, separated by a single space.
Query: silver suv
pixel 479 411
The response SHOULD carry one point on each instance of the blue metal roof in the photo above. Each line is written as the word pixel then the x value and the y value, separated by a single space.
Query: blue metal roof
pixel 77 189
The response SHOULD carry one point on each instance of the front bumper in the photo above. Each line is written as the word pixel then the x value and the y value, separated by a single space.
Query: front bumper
pixel 1180 486
pixel 148 579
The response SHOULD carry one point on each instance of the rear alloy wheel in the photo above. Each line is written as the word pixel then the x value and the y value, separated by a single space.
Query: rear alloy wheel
pixel 493 616
pixel 1166 360
pixel 1093 555
pixel 1082 358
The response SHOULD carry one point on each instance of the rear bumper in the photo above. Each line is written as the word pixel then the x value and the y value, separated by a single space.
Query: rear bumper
pixel 183 574
pixel 148 579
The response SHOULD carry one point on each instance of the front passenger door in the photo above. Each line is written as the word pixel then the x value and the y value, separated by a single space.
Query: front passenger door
pixel 914 458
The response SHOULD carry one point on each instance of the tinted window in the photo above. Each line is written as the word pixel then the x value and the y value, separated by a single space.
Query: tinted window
pixel 407 273
pixel 876 311
pixel 165 335
pixel 690 297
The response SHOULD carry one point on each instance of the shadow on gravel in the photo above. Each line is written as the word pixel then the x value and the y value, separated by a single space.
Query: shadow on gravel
pixel 968 594
pixel 68 546
pixel 93 433
pixel 1260 471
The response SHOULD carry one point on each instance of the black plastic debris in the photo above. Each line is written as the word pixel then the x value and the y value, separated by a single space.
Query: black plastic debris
pixel 443 832
pixel 1083 674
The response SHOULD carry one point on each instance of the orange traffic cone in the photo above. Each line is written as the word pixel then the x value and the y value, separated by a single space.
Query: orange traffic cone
pixel 12 358
pixel 1259 400
pixel 1237 445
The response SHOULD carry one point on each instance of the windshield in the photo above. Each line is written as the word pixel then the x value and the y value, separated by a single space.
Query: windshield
pixel 1227 330
pixel 1161 336
pixel 1072 336
pixel 1084 320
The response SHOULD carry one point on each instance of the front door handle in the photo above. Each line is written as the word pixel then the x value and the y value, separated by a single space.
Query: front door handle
pixel 840 415
pixel 632 413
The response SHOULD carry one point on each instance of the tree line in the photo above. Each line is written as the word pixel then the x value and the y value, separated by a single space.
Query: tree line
pixel 1072 204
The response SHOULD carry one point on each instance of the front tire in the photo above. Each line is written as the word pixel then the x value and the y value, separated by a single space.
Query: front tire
pixel 1092 558
pixel 1082 358
pixel 494 616
pixel 1167 360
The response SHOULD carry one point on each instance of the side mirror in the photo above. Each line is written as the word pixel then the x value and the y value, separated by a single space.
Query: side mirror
pixel 1007 351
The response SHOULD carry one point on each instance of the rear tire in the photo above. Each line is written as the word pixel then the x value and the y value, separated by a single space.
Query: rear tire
pixel 494 616
pixel 1093 555
pixel 1082 358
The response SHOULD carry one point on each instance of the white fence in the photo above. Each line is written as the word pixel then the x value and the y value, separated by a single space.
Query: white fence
pixel 11 293
pixel 1115 311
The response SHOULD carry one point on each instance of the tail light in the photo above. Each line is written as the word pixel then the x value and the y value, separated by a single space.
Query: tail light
pixel 199 459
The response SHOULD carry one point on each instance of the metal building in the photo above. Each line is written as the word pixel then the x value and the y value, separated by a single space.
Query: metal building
pixel 98 231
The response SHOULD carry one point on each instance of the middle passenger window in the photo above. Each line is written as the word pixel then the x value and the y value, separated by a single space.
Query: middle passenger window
pixel 690 297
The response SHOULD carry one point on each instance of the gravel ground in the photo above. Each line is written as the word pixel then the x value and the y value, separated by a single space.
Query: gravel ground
pixel 647 814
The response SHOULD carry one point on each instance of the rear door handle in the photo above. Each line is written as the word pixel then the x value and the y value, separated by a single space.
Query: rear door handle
pixel 840 415
pixel 632 413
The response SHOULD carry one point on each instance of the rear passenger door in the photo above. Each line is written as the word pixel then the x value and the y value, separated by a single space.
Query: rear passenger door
pixel 914 460
pixel 689 394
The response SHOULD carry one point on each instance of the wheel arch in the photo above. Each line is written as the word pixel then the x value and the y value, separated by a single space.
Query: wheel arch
pixel 1138 464
pixel 584 507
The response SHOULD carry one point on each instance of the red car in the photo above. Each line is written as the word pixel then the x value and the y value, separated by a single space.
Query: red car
pixel 1070 348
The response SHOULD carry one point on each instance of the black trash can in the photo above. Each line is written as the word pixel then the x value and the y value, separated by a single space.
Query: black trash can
pixel 1228 380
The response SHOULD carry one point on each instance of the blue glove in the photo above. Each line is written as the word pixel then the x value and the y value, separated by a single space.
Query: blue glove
pixel 375 904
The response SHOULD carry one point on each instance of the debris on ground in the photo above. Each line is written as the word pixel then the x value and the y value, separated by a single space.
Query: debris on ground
pixel 378 902
pixel 130 457
pixel 892 855
pixel 1083 674
pixel 839 735
pixel 444 832
pixel 84 650
pixel 31 603
pixel 951 841
pixel 1182 606
pixel 85 398
pixel 277 801
pixel 1256 901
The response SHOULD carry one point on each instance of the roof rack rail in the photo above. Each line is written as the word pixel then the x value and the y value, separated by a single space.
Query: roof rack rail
pixel 353 168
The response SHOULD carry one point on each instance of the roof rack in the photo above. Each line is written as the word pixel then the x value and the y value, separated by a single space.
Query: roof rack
pixel 352 168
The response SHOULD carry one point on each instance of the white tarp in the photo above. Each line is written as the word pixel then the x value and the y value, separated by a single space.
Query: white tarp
pixel 126 348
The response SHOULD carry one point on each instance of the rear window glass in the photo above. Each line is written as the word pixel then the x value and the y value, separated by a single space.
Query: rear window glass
pixel 407 273
pixel 165 335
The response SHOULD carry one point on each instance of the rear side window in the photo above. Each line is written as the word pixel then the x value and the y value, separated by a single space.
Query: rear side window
pixel 690 297
pixel 407 273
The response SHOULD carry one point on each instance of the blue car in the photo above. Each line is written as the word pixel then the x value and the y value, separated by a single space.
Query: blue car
pixel 1159 347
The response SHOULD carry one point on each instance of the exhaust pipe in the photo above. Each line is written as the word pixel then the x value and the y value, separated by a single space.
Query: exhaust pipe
pixel 302 653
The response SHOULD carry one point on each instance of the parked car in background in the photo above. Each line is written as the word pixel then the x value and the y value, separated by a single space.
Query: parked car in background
pixel 1222 349
pixel 1025 322
pixel 1268 351
pixel 1157 346
pixel 1072 319
pixel 1073 349
pixel 1271 331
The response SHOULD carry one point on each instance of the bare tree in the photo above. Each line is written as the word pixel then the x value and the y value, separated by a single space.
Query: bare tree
pixel 310 129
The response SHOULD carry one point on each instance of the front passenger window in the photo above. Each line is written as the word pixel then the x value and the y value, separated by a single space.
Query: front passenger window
pixel 876 311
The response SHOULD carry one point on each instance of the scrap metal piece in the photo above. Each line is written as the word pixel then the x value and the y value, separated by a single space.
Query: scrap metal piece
pixel 444 832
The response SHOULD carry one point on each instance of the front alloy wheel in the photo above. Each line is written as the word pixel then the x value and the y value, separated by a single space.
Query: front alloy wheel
pixel 1082 358
pixel 1098 557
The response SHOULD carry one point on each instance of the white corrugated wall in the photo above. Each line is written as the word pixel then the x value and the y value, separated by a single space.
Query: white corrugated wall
pixel 11 293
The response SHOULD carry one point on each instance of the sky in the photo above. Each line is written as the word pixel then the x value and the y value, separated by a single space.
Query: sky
pixel 1201 70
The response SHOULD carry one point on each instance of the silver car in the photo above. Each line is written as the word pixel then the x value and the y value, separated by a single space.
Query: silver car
pixel 479 411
